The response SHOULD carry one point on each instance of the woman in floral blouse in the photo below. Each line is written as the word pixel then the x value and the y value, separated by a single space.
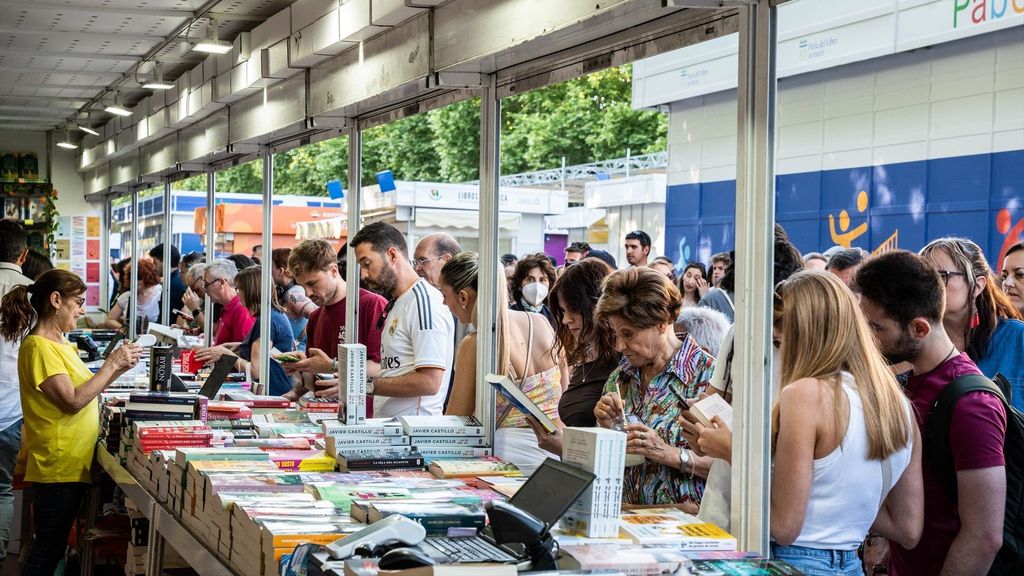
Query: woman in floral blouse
pixel 658 371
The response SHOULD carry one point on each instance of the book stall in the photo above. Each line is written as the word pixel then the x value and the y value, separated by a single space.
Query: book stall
pixel 219 480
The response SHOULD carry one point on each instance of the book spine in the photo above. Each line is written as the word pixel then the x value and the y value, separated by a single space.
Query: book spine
pixel 352 374
pixel 344 442
pixel 434 452
pixel 436 525
pixel 445 430
pixel 449 441
pixel 169 408
pixel 202 409
pixel 333 428
pixel 147 415
pixel 161 399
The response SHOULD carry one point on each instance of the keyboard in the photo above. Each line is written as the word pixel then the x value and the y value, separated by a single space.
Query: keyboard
pixel 469 549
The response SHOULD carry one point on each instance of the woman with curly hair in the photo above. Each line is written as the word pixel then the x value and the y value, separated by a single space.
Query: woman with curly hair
pixel 531 283
pixel 148 294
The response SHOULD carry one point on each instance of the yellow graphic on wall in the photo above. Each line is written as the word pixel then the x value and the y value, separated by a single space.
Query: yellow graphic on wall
pixel 845 236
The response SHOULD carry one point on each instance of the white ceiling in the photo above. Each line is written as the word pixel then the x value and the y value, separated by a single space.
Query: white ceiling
pixel 59 57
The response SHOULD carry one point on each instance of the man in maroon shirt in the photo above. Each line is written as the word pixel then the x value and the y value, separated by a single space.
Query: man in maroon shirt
pixel 314 265
pixel 902 296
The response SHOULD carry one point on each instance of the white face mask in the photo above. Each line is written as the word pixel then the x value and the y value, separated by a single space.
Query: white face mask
pixel 535 293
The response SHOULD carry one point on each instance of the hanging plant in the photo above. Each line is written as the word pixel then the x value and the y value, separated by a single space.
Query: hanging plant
pixel 50 214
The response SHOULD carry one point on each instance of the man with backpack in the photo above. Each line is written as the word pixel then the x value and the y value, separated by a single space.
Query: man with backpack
pixel 965 478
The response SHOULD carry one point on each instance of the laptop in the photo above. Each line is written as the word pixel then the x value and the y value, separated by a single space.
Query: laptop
pixel 547 495
pixel 221 369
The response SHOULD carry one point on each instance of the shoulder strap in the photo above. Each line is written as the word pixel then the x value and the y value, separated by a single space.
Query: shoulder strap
pixel 936 437
pixel 529 345
pixel 729 300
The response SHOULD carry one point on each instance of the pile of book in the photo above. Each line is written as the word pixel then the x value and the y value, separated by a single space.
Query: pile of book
pixel 601 452
pixel 233 417
pixel 256 401
pixel 437 437
pixel 377 444
pixel 112 424
pixel 144 405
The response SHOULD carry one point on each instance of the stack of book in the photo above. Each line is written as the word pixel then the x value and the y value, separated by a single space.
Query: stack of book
pixel 235 417
pixel 377 444
pixel 446 436
pixel 602 452
pixel 352 381
pixel 257 401
pixel 473 467
pixel 112 424
pixel 161 406
pixel 310 404
pixel 673 527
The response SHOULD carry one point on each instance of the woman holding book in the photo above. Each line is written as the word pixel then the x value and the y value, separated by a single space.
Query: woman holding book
pixel 642 397
pixel 589 351
pixel 58 398
pixel 846 451
pixel 525 354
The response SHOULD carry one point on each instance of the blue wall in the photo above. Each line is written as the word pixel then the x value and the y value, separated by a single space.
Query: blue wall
pixel 979 196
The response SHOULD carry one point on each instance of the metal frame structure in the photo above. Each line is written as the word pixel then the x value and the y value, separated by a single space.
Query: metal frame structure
pixel 755 220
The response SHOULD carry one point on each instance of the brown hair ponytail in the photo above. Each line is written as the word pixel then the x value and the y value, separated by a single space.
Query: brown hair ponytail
pixel 24 306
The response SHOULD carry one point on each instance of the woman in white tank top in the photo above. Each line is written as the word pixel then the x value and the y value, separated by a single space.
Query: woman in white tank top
pixel 847 454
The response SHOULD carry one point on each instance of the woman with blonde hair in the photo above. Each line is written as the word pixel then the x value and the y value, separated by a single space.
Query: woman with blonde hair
pixel 525 354
pixel 847 454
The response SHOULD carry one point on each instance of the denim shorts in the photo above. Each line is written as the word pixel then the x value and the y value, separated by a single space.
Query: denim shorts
pixel 818 562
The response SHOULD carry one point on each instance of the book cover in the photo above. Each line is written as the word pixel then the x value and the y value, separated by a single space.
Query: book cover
pixel 472 467
pixel 628 560
pixel 303 460
pixel 352 380
pixel 441 426
pixel 435 517
pixel 742 568
pixel 515 395
pixel 342 496
pixel 688 533
pixel 370 461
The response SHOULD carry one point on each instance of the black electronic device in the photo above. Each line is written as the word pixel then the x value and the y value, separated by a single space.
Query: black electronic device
pixel 86 344
pixel 221 368
pixel 550 491
pixel 405 557
pixel 118 336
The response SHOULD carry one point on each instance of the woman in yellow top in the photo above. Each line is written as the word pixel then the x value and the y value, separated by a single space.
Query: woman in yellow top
pixel 525 354
pixel 58 397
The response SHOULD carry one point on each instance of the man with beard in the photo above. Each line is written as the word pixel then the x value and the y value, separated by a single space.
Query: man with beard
pixel 902 297
pixel 417 338
pixel 314 266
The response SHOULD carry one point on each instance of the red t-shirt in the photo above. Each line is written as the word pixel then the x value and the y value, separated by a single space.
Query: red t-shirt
pixel 326 326
pixel 976 433
pixel 234 324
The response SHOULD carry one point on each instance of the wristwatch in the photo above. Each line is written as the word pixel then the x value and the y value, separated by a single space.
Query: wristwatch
pixel 684 459
pixel 369 385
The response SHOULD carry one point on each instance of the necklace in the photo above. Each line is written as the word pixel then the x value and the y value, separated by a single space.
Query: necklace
pixel 582 367
pixel 912 393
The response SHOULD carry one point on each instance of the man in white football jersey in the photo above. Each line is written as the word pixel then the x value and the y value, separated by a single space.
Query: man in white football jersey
pixel 416 328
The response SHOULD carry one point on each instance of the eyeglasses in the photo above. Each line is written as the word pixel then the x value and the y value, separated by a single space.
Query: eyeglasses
pixel 423 261
pixel 947 273
pixel 207 285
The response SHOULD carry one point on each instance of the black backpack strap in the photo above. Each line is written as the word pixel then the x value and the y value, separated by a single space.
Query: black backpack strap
pixel 936 437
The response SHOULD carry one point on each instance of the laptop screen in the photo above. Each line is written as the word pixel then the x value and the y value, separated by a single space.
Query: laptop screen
pixel 551 490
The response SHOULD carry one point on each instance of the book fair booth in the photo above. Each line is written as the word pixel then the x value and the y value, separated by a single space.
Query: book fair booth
pixel 299 74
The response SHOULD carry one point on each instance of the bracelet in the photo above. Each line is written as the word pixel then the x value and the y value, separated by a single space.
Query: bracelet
pixel 693 463
pixel 334 366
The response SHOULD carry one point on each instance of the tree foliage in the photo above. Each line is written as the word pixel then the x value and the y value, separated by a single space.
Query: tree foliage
pixel 583 120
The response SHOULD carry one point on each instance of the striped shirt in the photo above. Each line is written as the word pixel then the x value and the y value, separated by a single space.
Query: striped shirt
pixel 688 372
pixel 417 332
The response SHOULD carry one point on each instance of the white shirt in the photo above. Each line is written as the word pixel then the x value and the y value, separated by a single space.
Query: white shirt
pixel 10 399
pixel 148 308
pixel 847 489
pixel 418 332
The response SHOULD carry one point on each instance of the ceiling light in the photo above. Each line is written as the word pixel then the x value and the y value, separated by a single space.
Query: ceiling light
pixel 67 143
pixel 212 44
pixel 157 81
pixel 88 130
pixel 117 108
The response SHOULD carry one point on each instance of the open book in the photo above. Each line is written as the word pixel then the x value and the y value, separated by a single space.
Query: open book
pixel 507 388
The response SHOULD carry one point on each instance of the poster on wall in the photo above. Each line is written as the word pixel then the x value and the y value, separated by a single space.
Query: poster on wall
pixel 77 249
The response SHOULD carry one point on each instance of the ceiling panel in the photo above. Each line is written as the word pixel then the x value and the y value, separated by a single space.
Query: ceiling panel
pixel 56 56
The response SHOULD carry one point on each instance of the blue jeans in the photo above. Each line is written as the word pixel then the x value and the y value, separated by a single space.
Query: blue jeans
pixel 10 443
pixel 56 506
pixel 816 562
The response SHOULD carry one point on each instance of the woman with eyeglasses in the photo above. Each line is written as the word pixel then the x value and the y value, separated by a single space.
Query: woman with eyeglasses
pixel 979 318
pixel 525 351
pixel 58 398
pixel 148 294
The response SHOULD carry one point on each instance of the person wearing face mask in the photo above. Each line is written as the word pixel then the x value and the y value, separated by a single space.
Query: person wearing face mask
pixel 530 284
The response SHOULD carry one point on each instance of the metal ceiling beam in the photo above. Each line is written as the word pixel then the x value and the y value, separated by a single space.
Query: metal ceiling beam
pixel 75 87
pixel 77 56
pixel 133 11
pixel 9 107
pixel 4 69
pixel 21 31
pixel 38 98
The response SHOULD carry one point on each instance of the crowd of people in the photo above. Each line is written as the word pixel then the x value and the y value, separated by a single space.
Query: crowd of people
pixel 863 346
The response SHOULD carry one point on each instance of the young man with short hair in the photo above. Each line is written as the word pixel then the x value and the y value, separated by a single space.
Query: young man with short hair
pixel 177 284
pixel 719 263
pixel 902 297
pixel 13 251
pixel 638 248
pixel 314 265
pixel 417 342
pixel 575 252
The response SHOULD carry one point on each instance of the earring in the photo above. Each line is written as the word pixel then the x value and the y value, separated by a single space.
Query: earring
pixel 975 320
